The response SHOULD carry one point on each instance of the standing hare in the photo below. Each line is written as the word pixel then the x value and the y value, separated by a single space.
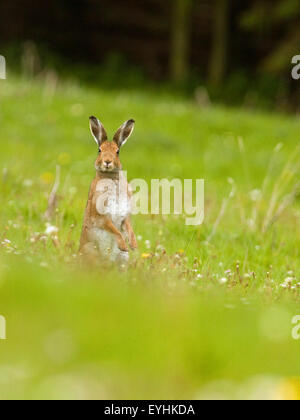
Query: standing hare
pixel 107 215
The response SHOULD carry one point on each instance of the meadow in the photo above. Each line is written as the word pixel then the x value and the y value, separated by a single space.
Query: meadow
pixel 202 311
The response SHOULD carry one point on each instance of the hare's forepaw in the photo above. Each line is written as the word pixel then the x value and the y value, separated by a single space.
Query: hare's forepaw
pixel 133 244
pixel 122 245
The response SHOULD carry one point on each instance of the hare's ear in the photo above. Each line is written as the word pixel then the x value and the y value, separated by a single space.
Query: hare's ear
pixel 124 132
pixel 97 131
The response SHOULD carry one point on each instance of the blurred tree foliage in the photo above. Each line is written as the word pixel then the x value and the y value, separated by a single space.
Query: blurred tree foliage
pixel 232 46
pixel 278 21
pixel 219 50
pixel 180 40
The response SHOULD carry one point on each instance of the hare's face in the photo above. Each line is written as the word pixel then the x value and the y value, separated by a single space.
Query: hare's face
pixel 108 159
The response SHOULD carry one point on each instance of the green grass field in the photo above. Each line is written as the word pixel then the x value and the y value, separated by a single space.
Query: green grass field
pixel 211 317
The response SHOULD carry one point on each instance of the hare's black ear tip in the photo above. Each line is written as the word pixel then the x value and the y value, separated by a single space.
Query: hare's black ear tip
pixel 131 121
pixel 93 118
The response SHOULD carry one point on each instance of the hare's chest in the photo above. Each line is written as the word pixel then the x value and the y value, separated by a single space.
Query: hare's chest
pixel 119 210
pixel 113 201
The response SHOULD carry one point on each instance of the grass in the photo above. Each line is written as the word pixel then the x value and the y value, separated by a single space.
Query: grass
pixel 202 312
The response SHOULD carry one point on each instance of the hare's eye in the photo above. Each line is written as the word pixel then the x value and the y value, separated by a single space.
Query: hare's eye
pixel 118 152
pixel 99 150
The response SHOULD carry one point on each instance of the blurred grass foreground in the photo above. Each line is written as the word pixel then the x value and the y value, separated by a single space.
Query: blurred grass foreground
pixel 202 312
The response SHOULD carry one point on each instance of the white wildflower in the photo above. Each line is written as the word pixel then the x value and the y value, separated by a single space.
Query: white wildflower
pixel 255 195
pixel 50 230
pixel 288 280
pixel 160 248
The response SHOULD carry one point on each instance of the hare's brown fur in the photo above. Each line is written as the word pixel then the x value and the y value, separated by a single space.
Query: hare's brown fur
pixel 102 232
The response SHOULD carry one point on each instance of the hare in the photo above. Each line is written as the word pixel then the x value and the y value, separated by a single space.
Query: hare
pixel 107 216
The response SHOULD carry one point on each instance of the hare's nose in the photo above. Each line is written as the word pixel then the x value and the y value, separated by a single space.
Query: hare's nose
pixel 108 162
